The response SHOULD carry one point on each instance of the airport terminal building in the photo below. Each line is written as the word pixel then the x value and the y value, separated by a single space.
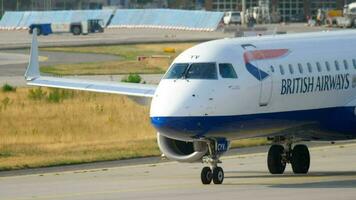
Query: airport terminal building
pixel 286 8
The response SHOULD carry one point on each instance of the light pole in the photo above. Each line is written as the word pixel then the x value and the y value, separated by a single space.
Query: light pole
pixel 243 11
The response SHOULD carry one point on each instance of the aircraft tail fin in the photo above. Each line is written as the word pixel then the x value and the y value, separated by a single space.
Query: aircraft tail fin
pixel 33 70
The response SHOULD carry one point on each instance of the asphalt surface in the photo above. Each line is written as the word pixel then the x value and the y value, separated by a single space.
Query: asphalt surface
pixel 21 38
pixel 332 176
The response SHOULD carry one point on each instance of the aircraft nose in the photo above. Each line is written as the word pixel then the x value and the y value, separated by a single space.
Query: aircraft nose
pixel 170 99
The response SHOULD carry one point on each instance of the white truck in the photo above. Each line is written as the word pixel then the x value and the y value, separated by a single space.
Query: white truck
pixel 349 18
pixel 232 17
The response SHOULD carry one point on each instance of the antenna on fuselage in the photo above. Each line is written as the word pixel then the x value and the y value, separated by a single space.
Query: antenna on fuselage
pixel 244 46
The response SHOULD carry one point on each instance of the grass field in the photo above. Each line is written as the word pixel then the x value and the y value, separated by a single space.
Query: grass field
pixel 128 62
pixel 38 129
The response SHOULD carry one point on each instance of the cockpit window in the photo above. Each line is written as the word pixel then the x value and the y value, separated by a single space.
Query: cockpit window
pixel 227 70
pixel 192 71
pixel 177 71
pixel 202 71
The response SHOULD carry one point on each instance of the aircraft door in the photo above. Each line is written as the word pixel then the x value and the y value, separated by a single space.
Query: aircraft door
pixel 266 90
pixel 257 64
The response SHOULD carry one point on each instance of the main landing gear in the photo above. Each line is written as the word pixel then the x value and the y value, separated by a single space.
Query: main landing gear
pixel 279 156
pixel 212 173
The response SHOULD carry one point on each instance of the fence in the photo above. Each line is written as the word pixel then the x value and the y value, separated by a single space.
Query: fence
pixel 22 20
pixel 123 18
pixel 166 18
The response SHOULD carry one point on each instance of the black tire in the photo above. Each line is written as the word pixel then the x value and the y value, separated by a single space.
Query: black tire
pixel 218 175
pixel 275 162
pixel 206 175
pixel 76 30
pixel 300 159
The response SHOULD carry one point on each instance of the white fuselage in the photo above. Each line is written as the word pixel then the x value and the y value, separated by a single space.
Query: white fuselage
pixel 310 74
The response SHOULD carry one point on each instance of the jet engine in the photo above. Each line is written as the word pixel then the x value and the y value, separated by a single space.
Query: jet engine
pixel 182 151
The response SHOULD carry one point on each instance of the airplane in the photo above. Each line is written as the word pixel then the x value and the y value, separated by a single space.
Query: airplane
pixel 287 88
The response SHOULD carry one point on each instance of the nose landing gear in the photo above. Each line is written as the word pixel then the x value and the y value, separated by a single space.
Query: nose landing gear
pixel 212 173
pixel 279 156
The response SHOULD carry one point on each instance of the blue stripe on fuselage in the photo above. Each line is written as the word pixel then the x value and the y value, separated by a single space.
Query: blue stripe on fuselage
pixel 341 119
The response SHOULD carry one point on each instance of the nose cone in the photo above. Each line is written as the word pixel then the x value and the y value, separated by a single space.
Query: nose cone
pixel 178 98
pixel 171 98
pixel 179 107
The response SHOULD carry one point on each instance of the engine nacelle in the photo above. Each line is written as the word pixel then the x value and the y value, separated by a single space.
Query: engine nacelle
pixel 181 151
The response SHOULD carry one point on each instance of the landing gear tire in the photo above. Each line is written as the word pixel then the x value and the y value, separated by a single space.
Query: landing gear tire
pixel 275 161
pixel 300 159
pixel 206 175
pixel 218 175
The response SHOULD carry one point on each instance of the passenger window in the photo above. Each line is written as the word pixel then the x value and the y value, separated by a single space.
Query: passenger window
pixel 310 69
pixel 300 67
pixel 202 71
pixel 272 69
pixel 354 63
pixel 327 66
pixel 227 70
pixel 291 68
pixel 281 69
pixel 346 65
pixel 318 66
pixel 337 67
pixel 177 71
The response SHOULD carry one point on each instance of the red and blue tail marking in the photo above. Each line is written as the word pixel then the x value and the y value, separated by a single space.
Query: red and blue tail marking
pixel 254 55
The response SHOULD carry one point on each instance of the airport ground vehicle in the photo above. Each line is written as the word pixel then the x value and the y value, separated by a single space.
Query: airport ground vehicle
pixel 76 28
pixel 287 88
pixel 349 17
pixel 232 17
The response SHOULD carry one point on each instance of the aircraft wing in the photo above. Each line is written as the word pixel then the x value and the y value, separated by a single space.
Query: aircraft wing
pixel 33 77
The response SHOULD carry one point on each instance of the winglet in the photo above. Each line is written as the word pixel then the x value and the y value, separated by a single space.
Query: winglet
pixel 33 70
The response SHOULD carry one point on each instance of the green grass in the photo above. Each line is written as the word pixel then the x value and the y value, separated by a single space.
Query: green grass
pixel 132 78
pixel 8 88
pixel 127 64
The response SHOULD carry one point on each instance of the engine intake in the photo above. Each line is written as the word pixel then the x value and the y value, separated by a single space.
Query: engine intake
pixel 181 151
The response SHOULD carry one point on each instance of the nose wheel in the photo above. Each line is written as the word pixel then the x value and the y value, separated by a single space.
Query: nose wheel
pixel 206 175
pixel 216 175
pixel 213 173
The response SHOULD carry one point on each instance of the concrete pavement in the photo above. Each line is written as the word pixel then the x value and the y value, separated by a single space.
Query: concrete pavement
pixel 332 176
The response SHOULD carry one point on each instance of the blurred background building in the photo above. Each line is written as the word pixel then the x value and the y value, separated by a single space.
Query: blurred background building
pixel 288 9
